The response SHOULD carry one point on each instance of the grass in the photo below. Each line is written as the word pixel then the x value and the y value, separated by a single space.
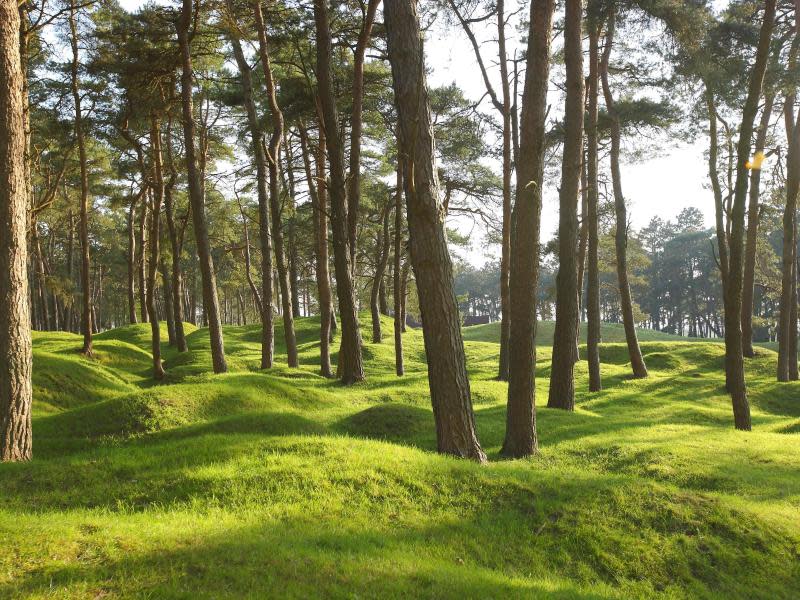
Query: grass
pixel 284 484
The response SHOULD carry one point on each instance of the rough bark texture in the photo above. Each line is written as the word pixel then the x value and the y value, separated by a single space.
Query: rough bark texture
pixel 397 285
pixel 273 166
pixel 562 379
pixel 620 210
pixel 155 237
pixel 593 266
pixel 131 260
pixel 176 244
pixel 196 196
pixel 350 367
pixel 86 324
pixel 520 439
pixel 15 332
pixel 752 234
pixel 444 348
pixel 734 360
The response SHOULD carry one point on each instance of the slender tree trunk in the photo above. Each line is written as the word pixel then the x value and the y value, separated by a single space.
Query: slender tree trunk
pixel 351 366
pixel 141 264
pixel 734 360
pixel 621 235
pixel 169 309
pixel 593 267
pixel 294 284
pixel 155 236
pixel 176 244
pixel 15 326
pixel 752 233
pixel 505 255
pixel 377 281
pixel 354 180
pixel 397 290
pixel 787 327
pixel 273 167
pixel 444 348
pixel 264 301
pixel 84 169
pixel 210 299
pixel 520 439
pixel 562 378
pixel 131 256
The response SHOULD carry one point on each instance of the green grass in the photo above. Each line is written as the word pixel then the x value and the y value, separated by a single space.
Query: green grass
pixel 284 484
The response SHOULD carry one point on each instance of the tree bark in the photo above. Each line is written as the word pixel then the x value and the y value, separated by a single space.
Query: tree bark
pixel 734 360
pixel 377 280
pixel 196 196
pixel 131 259
pixel 562 379
pixel 621 235
pixel 350 367
pixel 155 237
pixel 84 170
pixel 15 326
pixel 752 233
pixel 444 347
pixel 593 267
pixel 397 286
pixel 520 439
pixel 273 167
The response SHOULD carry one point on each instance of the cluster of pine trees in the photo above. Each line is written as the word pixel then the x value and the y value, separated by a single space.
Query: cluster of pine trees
pixel 229 161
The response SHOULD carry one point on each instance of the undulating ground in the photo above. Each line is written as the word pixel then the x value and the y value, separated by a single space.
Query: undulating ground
pixel 284 484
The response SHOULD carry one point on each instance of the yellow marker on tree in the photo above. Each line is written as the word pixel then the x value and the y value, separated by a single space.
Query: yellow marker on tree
pixel 756 162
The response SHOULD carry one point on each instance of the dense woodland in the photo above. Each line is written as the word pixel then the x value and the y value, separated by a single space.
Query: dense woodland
pixel 227 162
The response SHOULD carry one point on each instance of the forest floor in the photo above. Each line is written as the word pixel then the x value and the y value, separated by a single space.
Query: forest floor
pixel 284 484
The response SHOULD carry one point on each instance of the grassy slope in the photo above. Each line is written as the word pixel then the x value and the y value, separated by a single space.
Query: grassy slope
pixel 253 484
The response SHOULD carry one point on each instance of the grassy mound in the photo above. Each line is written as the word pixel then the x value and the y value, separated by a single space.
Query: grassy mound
pixel 254 484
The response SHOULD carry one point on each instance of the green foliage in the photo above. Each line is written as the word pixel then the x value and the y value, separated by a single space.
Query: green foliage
pixel 251 482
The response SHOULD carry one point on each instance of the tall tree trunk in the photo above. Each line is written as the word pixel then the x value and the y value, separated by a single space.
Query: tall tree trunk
pixel 84 168
pixel 621 235
pixel 273 167
pixel 397 288
pixel 319 196
pixel 351 366
pixel 444 347
pixel 131 259
pixel 787 327
pixel 294 284
pixel 562 378
pixel 520 439
pixel 752 233
pixel 734 360
pixel 380 268
pixel 141 264
pixel 210 299
pixel 15 326
pixel 169 309
pixel 155 237
pixel 176 245
pixel 593 266
pixel 354 180
pixel 264 301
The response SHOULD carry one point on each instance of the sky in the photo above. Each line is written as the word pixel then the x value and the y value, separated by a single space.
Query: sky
pixel 673 179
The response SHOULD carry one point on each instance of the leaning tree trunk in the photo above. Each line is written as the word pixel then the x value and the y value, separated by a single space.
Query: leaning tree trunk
pixel 351 365
pixel 734 360
pixel 397 287
pixel 84 169
pixel 593 266
pixel 155 237
pixel 357 95
pixel 264 300
pixel 520 439
pixel 444 347
pixel 380 269
pixel 273 167
pixel 621 213
pixel 15 327
pixel 209 280
pixel 752 234
pixel 562 378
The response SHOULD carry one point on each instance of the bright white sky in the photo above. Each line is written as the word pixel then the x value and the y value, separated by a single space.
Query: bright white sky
pixel 661 186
